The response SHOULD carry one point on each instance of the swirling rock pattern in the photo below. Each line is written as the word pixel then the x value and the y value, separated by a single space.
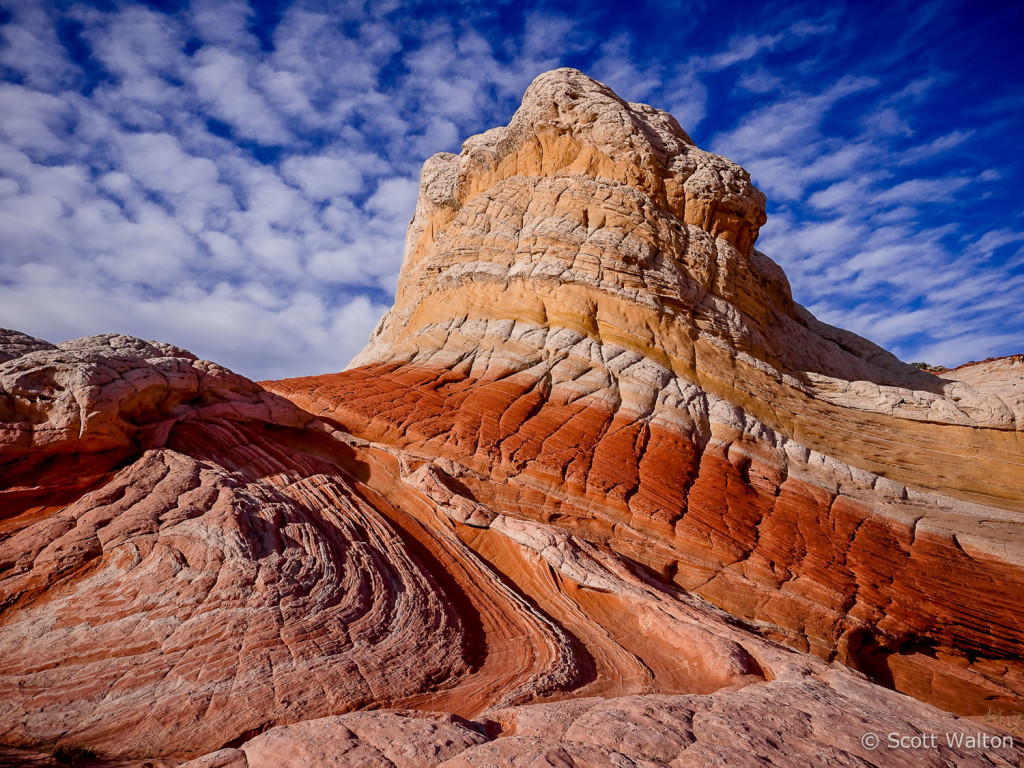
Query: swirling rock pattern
pixel 597 493
pixel 213 586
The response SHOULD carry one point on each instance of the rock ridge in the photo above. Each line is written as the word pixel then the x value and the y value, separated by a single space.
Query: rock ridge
pixel 592 347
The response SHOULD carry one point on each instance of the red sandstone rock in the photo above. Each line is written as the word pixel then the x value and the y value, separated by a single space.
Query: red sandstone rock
pixel 594 414
pixel 579 343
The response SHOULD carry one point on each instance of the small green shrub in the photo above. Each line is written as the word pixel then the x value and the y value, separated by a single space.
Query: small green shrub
pixel 929 366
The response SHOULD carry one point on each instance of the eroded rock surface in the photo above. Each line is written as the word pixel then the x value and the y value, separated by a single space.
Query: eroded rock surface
pixel 598 493
pixel 584 330
pixel 212 580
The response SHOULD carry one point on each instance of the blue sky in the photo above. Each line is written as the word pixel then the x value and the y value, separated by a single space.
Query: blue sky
pixel 236 177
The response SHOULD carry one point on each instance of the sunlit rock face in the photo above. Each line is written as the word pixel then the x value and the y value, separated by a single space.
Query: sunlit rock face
pixel 585 336
pixel 597 493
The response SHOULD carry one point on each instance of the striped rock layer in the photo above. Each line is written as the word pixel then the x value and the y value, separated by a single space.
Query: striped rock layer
pixel 598 493
pixel 584 336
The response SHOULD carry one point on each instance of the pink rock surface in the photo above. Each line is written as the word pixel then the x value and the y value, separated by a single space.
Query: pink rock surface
pixel 206 588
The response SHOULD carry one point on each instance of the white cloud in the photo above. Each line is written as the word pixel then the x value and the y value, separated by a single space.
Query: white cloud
pixel 545 35
pixel 687 100
pixel 136 44
pixel 970 346
pixel 157 162
pixel 790 127
pixel 221 81
pixel 850 234
pixel 922 190
pixel 996 239
pixel 395 198
pixel 321 177
pixel 935 148
pixel 616 68
pixel 742 48
pixel 223 23
pixel 33 119
pixel 760 81
pixel 440 135
pixel 886 122
pixel 29 46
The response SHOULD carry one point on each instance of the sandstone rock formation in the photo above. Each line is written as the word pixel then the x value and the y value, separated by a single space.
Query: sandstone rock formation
pixel 584 330
pixel 598 492
pixel 176 563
